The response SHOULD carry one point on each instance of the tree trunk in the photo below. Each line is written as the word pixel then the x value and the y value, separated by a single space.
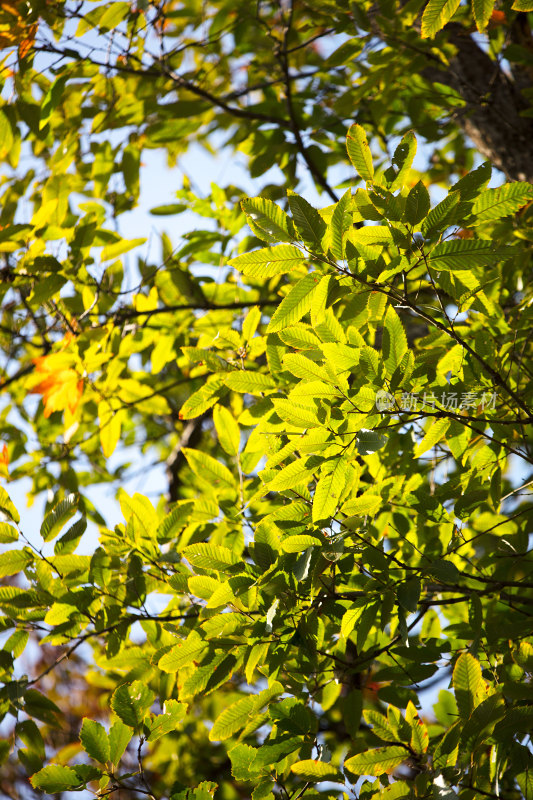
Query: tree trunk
pixel 494 100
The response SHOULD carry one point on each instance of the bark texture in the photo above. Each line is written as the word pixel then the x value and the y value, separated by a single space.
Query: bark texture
pixel 495 99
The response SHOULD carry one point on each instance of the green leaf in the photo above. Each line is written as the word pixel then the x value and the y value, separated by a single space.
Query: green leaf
pixel 210 556
pixel 242 758
pixel 467 683
pixel 303 562
pixel 300 336
pixel 247 382
pixel 377 761
pixel 525 779
pixel 408 594
pixel 8 533
pixel 436 14
pixel 7 507
pixel 299 543
pixel 439 217
pixel 227 430
pixel 370 441
pixel 38 706
pixel 381 726
pixel 465 254
pixel 434 434
pixel 447 750
pixel 175 521
pixel 371 234
pixel 329 489
pixel 307 220
pixel 294 474
pixel 131 703
pixel 524 656
pixel 95 741
pixel 70 539
pixel 203 399
pixel 316 771
pixel 168 209
pixel 359 152
pixel 419 732
pixel 482 10
pixel 341 223
pixel 55 779
pixel 271 752
pixel 341 357
pixel 203 586
pixel 403 159
pixel 208 468
pixel 51 100
pixel 305 368
pixel 417 204
pixel 483 720
pixel 59 516
pixel 232 719
pixel 525 6
pixel 168 721
pixel 6 134
pixel 120 736
pixel 267 220
pixel 140 511
pixel 110 427
pixel 113 14
pixel 471 185
pixel 394 341
pixel 496 203
pixel 515 720
pixel 367 503
pixel 269 261
pixel 298 415
pixel 251 324
pixel 119 248
pixel 351 617
pixel 13 561
pixel 297 303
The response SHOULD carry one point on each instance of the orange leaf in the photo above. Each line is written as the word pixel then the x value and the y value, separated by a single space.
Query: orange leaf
pixel 498 18
pixel 61 385
pixel 27 43
pixel 4 462
pixel 60 390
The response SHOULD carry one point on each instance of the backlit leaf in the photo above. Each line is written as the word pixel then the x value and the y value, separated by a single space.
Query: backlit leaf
pixel 208 468
pixel 95 741
pixel 467 683
pixel 377 761
pixel 269 221
pixel 58 517
pixel 55 779
pixel 227 430
pixel 433 435
pixel 131 702
pixel 119 737
pixel 269 262
pixel 307 220
pixel 297 303
pixel 436 14
pixel 500 202
pixel 316 771
pixel 417 204
pixel 359 152
pixel 482 10
pixel 328 490
pixel 467 254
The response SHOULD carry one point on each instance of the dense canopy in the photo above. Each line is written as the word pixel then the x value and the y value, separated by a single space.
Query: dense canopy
pixel 331 594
